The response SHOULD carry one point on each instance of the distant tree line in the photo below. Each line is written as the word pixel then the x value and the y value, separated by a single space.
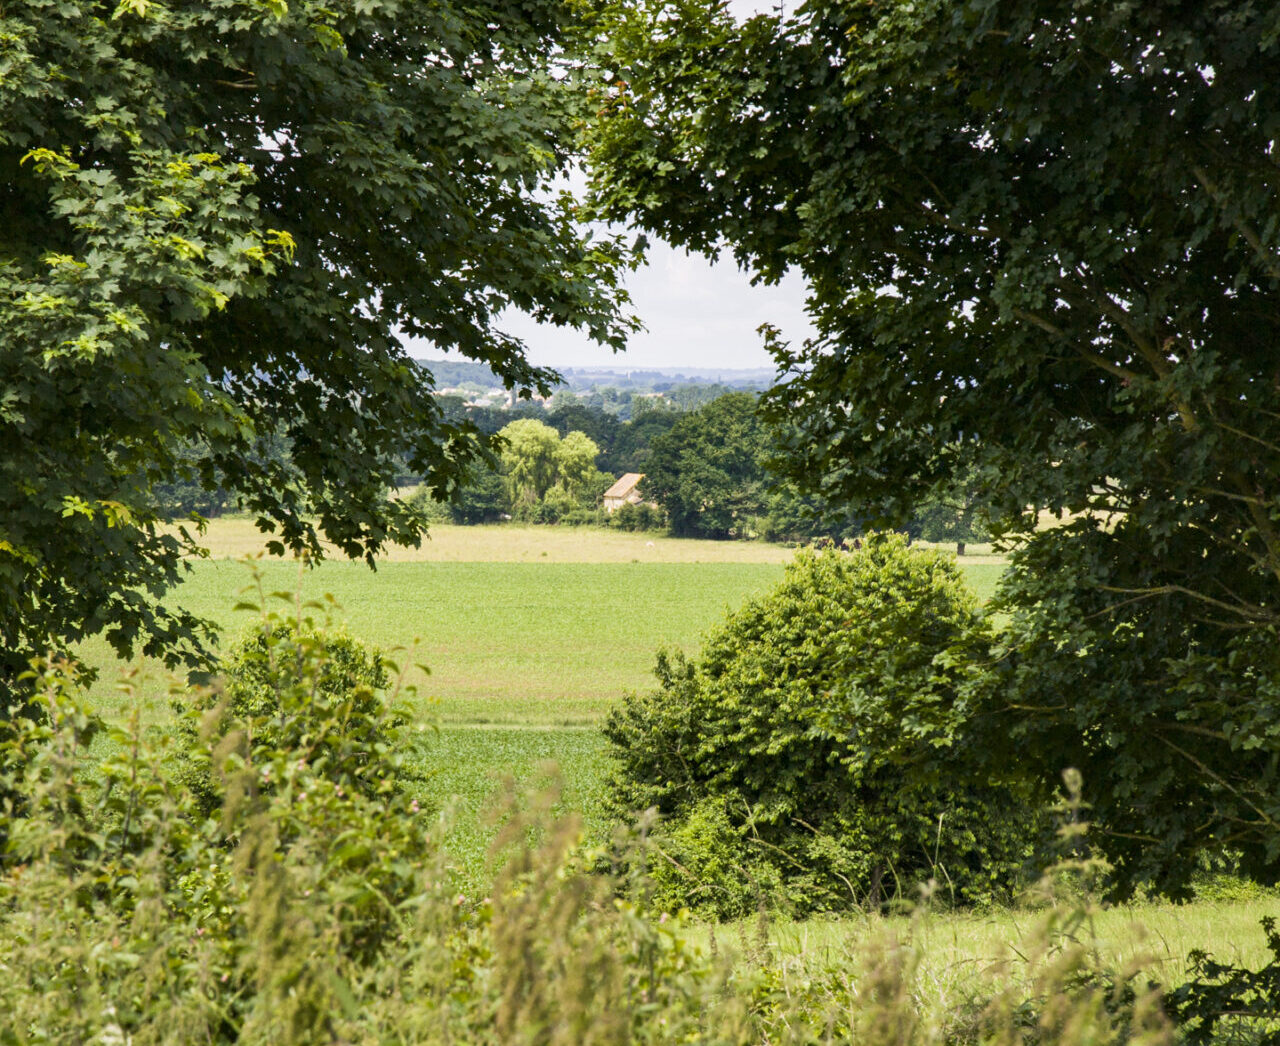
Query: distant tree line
pixel 709 471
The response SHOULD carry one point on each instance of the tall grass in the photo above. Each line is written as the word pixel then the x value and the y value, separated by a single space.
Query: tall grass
pixel 302 911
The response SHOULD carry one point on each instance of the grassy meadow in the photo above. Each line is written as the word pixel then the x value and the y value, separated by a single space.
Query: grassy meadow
pixel 531 633
pixel 542 626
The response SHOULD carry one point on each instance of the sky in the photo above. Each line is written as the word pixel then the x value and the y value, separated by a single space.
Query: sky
pixel 696 313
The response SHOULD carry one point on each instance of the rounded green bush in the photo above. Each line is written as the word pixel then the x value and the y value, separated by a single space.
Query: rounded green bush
pixel 823 721
pixel 309 695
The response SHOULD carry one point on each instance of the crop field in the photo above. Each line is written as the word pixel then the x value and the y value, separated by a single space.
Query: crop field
pixel 525 639
pixel 522 643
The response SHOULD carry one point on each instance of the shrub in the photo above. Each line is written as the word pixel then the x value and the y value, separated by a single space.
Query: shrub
pixel 820 720
pixel 293 688
pixel 557 504
pixel 432 509
pixel 132 908
pixel 632 517
pixel 703 863
pixel 585 517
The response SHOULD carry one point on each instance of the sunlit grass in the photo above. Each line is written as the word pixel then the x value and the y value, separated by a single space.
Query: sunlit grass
pixel 233 537
pixel 516 624
pixel 551 643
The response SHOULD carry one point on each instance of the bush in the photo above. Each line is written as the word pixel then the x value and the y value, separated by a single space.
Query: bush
pixel 432 509
pixel 132 906
pixel 585 517
pixel 637 517
pixel 820 721
pixel 703 863
pixel 1223 995
pixel 294 688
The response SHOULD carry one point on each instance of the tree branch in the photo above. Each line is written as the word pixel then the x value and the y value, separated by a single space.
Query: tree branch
pixel 1250 235
pixel 1248 611
pixel 1087 354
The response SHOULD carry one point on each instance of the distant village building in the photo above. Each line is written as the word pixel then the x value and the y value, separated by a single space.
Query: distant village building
pixel 624 492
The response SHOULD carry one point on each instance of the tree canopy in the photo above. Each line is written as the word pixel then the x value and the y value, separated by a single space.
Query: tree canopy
pixel 539 464
pixel 217 221
pixel 531 457
pixel 706 471
pixel 1042 250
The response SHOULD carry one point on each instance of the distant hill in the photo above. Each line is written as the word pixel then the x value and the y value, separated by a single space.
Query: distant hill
pixel 448 373
pixel 642 377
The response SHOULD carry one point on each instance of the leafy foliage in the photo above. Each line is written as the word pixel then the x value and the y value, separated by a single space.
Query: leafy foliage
pixel 953 515
pixel 631 517
pixel 818 725
pixel 127 908
pixel 1222 994
pixel 319 694
pixel 300 915
pixel 530 458
pixel 1040 249
pixel 217 221
pixel 706 472
pixel 548 477
pixel 482 498
pixel 1175 718
pixel 634 445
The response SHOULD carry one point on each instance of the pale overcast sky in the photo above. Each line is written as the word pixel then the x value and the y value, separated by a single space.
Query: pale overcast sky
pixel 697 314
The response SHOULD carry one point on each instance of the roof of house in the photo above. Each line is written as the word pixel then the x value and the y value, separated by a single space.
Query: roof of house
pixel 625 485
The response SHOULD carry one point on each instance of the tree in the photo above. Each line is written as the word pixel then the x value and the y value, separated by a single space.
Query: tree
pixel 576 463
pixel 706 472
pixel 952 515
pixel 603 428
pixel 531 457
pixel 635 440
pixel 217 221
pixel 548 476
pixel 1040 244
pixel 793 515
pixel 481 499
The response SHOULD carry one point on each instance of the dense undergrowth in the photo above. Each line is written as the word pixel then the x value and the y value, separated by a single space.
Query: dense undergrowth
pixel 313 903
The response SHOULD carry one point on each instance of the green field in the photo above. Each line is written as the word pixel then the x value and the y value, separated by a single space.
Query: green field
pixel 545 643
pixel 527 647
